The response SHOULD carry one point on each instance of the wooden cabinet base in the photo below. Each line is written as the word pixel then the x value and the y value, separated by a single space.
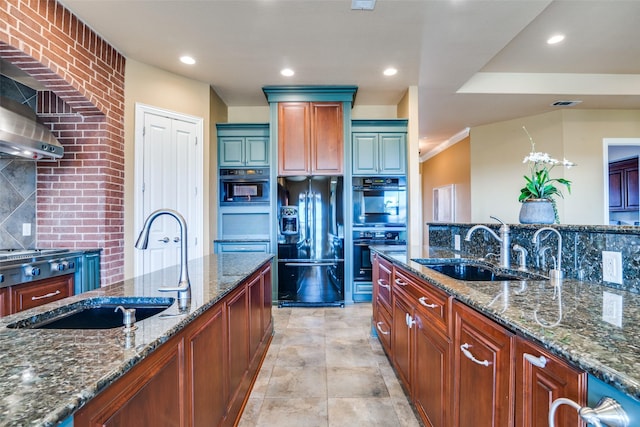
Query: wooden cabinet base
pixel 201 377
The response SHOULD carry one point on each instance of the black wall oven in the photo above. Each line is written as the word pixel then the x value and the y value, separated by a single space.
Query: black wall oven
pixel 380 201
pixel 362 239
pixel 244 186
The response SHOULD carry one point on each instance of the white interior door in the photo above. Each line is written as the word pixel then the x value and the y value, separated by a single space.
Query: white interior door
pixel 169 168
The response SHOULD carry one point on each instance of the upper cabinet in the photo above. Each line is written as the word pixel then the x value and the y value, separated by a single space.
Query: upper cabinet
pixel 624 191
pixel 379 147
pixel 310 138
pixel 243 145
pixel 311 126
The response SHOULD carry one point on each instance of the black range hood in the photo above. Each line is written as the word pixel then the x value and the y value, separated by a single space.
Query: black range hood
pixel 21 136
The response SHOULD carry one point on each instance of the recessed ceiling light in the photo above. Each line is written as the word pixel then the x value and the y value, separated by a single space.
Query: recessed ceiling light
pixel 557 38
pixel 187 60
pixel 390 72
pixel 287 72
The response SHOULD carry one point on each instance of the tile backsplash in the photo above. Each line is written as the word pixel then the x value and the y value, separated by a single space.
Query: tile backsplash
pixel 17 182
pixel 17 203
pixel 582 248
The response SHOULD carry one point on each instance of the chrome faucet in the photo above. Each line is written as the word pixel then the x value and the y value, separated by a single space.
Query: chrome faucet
pixel 504 239
pixel 184 286
pixel 522 256
pixel 555 272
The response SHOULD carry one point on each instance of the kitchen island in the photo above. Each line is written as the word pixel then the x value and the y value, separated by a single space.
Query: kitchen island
pixel 47 375
pixel 564 319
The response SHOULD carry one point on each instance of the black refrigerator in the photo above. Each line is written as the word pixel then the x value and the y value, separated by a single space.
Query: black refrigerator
pixel 310 241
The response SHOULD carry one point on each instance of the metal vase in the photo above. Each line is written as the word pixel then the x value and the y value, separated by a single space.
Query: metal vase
pixel 537 211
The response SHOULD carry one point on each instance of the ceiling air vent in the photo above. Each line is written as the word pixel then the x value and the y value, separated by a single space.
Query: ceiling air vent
pixel 363 4
pixel 565 103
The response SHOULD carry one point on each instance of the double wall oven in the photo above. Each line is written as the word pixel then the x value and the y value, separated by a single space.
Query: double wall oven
pixel 379 218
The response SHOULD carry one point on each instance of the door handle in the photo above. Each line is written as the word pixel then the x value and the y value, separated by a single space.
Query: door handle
pixel 540 362
pixel 379 327
pixel 176 239
pixel 423 302
pixel 164 240
pixel 465 350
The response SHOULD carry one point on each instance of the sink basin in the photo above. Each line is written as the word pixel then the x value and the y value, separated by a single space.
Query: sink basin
pixel 469 271
pixel 94 313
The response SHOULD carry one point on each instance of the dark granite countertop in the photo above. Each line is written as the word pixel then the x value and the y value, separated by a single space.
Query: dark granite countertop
pixel 565 317
pixel 46 375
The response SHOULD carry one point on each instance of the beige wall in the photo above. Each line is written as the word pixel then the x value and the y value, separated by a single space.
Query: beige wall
pixel 438 171
pixel 374 111
pixel 154 87
pixel 249 114
pixel 219 113
pixel 408 109
pixel 497 151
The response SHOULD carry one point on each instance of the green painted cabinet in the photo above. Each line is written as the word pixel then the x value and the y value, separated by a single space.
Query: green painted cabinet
pixel 379 147
pixel 87 276
pixel 243 145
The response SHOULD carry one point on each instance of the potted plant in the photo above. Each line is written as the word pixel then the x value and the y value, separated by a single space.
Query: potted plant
pixel 537 196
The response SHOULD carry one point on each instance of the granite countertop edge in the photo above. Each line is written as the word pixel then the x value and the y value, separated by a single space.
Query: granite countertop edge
pixel 466 292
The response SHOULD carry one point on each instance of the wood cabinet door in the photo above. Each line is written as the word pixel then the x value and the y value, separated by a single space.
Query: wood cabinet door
pixel 392 149
pixel 483 376
pixel 294 136
pixel 401 338
pixel 5 307
pixel 633 191
pixel 432 374
pixel 205 367
pixel 151 394
pixel 238 339
pixel 542 378
pixel 256 306
pixel 267 302
pixel 256 151
pixel 231 151
pixel 327 138
pixel 365 153
pixel 41 292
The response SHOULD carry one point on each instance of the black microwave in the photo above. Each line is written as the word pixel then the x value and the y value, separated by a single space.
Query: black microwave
pixel 248 186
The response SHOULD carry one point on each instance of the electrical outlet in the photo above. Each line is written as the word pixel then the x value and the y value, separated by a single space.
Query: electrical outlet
pixel 456 242
pixel 612 308
pixel 26 229
pixel 612 267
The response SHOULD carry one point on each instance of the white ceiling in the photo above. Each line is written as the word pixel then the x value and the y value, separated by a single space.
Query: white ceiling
pixel 473 61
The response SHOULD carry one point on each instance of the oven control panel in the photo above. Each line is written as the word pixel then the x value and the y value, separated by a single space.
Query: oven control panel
pixel 385 235
pixel 17 272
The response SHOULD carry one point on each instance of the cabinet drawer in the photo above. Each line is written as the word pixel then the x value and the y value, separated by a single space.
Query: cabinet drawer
pixel 383 282
pixel 432 302
pixel 383 326
pixel 41 292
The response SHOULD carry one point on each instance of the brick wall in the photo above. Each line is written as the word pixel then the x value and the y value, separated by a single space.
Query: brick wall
pixel 79 200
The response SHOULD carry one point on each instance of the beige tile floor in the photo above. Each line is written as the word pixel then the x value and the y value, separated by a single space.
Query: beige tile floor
pixel 324 369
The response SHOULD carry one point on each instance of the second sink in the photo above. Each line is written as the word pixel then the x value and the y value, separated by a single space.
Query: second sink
pixel 468 271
